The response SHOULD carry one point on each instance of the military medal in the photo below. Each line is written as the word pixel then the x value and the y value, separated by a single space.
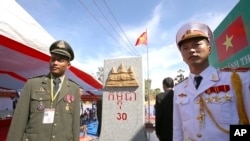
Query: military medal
pixel 68 99
pixel 72 98
pixel 217 99
pixel 67 107
pixel 209 99
pixel 217 90
pixel 40 106
pixel 227 98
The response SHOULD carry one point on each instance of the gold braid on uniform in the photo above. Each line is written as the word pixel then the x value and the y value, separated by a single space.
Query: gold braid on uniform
pixel 203 104
pixel 237 85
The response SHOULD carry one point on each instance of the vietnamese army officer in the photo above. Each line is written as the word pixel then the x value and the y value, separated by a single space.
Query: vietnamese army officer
pixel 210 99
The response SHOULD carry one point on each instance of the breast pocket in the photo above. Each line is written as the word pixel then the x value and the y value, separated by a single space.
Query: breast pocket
pixel 184 105
pixel 229 112
pixel 39 99
pixel 224 111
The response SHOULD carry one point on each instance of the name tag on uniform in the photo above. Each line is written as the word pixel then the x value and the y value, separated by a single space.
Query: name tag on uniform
pixel 48 116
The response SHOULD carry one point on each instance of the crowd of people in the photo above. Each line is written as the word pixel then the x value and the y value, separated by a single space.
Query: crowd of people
pixel 87 117
pixel 201 107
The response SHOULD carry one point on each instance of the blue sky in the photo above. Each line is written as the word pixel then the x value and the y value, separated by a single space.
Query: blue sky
pixel 90 26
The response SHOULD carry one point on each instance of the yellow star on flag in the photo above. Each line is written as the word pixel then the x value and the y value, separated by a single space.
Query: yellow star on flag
pixel 142 39
pixel 228 42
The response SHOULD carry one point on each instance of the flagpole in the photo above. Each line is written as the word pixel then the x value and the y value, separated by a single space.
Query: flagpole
pixel 143 40
pixel 148 85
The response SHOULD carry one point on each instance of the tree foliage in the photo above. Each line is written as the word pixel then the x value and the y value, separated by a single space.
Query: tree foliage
pixel 100 74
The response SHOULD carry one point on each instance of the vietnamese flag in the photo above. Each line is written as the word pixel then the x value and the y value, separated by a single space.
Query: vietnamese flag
pixel 142 39
pixel 232 40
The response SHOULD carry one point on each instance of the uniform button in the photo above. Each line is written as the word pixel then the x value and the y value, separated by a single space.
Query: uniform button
pixel 53 137
pixel 199 135
pixel 56 113
pixel 54 124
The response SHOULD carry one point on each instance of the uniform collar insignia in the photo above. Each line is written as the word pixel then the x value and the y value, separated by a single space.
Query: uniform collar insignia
pixel 214 77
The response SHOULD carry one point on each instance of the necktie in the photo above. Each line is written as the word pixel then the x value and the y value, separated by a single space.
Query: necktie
pixel 197 81
pixel 56 81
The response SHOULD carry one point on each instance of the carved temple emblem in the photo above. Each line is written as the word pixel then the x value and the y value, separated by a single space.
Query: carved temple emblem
pixel 122 77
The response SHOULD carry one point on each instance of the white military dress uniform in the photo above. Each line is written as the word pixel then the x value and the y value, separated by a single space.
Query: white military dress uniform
pixel 206 113
pixel 187 125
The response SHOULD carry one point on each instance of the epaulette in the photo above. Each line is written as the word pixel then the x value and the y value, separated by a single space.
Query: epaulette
pixel 37 76
pixel 181 81
pixel 241 69
pixel 74 82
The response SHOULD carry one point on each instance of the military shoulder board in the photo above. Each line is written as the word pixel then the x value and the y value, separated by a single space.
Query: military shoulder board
pixel 182 81
pixel 74 82
pixel 37 76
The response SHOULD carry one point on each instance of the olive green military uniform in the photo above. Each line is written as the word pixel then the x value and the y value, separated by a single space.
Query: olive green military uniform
pixel 27 123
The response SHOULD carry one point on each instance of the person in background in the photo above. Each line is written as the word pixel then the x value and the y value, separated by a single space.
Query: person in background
pixel 210 99
pixel 99 115
pixel 84 130
pixel 164 111
pixel 48 108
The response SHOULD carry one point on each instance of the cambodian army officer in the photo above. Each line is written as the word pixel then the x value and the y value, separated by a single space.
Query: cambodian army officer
pixel 210 99
pixel 48 108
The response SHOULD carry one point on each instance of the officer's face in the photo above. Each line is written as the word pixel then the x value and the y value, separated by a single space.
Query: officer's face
pixel 58 65
pixel 195 51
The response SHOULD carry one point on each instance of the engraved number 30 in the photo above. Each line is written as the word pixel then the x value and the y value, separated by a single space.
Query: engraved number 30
pixel 121 116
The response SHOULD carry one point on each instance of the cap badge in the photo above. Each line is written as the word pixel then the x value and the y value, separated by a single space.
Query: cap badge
pixel 61 44
pixel 189 31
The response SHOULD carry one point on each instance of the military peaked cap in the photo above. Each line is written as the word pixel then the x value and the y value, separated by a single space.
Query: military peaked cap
pixel 62 48
pixel 193 30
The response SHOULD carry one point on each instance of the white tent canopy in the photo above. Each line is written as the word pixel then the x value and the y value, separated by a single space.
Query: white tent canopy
pixel 24 51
